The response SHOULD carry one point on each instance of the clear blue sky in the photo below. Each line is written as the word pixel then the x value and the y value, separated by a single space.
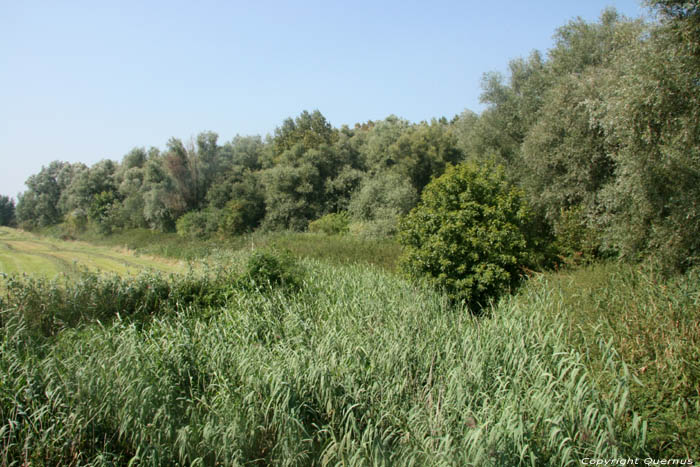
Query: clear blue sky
pixel 84 81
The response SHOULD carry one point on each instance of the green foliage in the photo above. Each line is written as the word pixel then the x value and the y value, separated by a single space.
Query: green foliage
pixel 198 224
pixel 7 210
pixel 567 160
pixel 309 130
pixel 295 188
pixel 652 324
pixel 380 202
pixel 48 306
pixel 76 221
pixel 650 111
pixel 39 205
pixel 104 211
pixel 469 235
pixel 266 269
pixel 331 224
pixel 366 369
pixel 576 241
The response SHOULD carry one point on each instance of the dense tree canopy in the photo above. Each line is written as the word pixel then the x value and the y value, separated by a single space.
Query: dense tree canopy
pixel 601 133
pixel 7 210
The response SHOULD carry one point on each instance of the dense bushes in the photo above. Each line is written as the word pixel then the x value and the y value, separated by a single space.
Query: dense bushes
pixel 469 234
pixel 48 306
pixel 7 210
pixel 331 224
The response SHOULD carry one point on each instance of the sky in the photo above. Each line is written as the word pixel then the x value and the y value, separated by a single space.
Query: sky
pixel 85 81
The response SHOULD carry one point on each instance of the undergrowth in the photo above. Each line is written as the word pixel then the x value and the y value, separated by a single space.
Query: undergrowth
pixel 653 323
pixel 338 249
pixel 356 367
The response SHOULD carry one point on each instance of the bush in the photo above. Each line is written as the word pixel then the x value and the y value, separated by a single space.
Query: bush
pixel 469 235
pixel 270 270
pixel 199 224
pixel 331 224
pixel 576 241
pixel 76 221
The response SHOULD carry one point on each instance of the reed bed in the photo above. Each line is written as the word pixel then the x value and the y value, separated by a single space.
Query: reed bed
pixel 354 367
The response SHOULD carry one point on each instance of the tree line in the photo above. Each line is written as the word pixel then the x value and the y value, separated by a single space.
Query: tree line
pixel 601 134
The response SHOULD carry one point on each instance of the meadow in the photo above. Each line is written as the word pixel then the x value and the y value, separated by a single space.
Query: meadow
pixel 273 357
pixel 24 252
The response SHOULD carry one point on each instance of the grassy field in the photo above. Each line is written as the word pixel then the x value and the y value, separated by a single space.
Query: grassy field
pixel 353 366
pixel 383 253
pixel 23 252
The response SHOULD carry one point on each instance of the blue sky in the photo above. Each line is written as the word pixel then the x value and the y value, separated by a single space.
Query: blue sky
pixel 84 81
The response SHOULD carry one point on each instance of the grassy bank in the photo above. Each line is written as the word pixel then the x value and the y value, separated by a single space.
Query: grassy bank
pixel 357 367
pixel 337 249
pixel 24 252
pixel 352 365
pixel 653 324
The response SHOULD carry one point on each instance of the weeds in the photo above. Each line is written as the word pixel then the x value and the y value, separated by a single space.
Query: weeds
pixel 358 367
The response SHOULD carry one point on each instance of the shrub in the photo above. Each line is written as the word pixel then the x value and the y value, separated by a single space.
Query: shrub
pixel 331 224
pixel 576 241
pixel 76 221
pixel 270 270
pixel 199 224
pixel 469 235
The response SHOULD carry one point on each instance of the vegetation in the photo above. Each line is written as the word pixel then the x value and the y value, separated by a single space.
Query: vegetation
pixel 356 366
pixel 574 128
pixel 22 252
pixel 7 211
pixel 469 235
pixel 279 346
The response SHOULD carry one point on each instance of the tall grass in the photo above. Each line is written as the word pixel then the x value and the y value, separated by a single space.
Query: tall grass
pixel 654 325
pixel 356 367
pixel 338 249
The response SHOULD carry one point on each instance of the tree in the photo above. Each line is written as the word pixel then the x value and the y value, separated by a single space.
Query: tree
pixel 310 130
pixel 7 210
pixel 380 202
pixel 423 151
pixel 39 205
pixel 650 111
pixel 469 235
pixel 294 187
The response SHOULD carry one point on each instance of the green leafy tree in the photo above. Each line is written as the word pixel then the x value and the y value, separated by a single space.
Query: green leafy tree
pixel 469 235
pixel 310 130
pixel 299 187
pixel 423 151
pixel 7 210
pixel 380 137
pixel 104 211
pixel 39 205
pixel 294 189
pixel 379 203
pixel 159 196
pixel 650 111
pixel 87 183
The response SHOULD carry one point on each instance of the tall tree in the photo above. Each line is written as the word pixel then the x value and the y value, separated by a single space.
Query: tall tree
pixel 7 210
pixel 311 130
pixel 39 205
pixel 650 109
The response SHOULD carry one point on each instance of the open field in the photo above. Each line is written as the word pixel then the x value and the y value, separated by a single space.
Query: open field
pixel 23 252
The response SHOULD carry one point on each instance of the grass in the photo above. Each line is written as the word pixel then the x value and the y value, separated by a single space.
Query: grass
pixel 337 249
pixel 654 325
pixel 358 367
pixel 23 252
pixel 352 366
